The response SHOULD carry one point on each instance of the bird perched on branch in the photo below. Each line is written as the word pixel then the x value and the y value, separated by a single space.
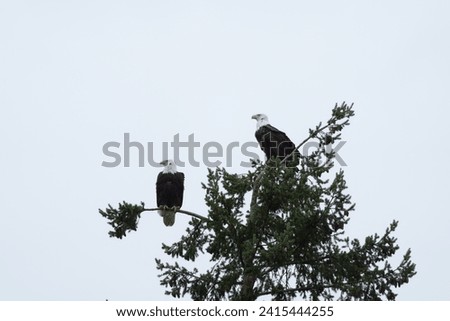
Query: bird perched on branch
pixel 273 142
pixel 169 191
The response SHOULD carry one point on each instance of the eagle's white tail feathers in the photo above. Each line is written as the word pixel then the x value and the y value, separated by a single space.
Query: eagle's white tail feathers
pixel 168 217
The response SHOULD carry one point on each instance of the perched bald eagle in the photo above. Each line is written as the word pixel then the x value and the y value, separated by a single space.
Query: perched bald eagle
pixel 273 142
pixel 169 191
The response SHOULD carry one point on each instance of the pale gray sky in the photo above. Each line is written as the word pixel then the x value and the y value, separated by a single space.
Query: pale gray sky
pixel 77 74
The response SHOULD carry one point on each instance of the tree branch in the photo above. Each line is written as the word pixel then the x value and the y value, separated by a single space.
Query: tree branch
pixel 312 135
pixel 203 218
pixel 303 289
pixel 317 131
pixel 256 185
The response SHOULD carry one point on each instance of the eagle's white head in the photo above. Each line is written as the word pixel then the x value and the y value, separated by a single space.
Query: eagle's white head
pixel 169 166
pixel 261 120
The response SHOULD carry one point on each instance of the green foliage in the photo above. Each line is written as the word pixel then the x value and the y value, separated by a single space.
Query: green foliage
pixel 123 219
pixel 289 241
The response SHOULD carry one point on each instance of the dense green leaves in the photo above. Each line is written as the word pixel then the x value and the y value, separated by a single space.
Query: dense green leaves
pixel 123 219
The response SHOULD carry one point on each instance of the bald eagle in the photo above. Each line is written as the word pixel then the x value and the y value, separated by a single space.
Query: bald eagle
pixel 169 191
pixel 273 142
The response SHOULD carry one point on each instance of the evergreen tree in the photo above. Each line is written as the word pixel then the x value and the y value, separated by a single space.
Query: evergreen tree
pixel 288 243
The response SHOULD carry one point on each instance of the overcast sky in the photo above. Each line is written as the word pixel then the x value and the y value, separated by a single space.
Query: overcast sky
pixel 75 75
